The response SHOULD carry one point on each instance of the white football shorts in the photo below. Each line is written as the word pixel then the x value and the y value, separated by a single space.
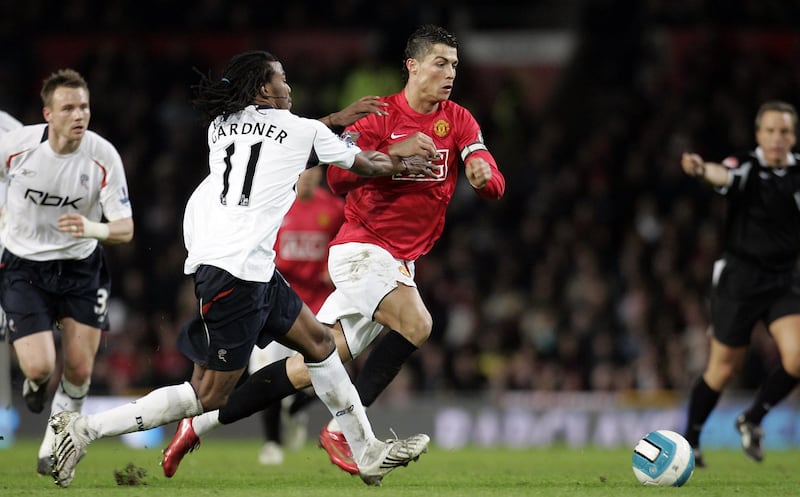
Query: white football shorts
pixel 363 274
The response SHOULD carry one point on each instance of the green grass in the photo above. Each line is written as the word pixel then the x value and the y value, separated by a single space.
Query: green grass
pixel 229 468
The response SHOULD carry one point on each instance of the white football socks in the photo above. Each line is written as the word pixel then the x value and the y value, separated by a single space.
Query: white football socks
pixel 333 386
pixel 157 408
pixel 206 422
pixel 68 397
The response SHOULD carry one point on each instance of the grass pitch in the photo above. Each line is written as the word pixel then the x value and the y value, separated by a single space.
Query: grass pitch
pixel 230 468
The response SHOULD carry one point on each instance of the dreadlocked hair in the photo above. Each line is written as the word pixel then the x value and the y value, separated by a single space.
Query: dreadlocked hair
pixel 238 86
pixel 421 42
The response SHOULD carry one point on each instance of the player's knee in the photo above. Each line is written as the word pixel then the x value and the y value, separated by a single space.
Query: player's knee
pixel 78 374
pixel 318 344
pixel 211 400
pixel 39 373
pixel 417 330
pixel 717 375
pixel 792 364
pixel 37 370
pixel 789 348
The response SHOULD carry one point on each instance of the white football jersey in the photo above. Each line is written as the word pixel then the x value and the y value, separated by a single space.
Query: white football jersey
pixel 43 185
pixel 255 157
pixel 7 123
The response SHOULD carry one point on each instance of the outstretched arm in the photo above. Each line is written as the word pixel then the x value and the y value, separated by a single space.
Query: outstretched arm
pixel 411 156
pixel 372 163
pixel 362 107
pixel 710 172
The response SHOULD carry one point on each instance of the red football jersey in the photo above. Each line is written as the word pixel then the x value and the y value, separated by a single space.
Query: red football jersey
pixel 302 245
pixel 405 213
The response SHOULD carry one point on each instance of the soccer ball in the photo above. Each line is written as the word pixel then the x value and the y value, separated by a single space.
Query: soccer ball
pixel 663 458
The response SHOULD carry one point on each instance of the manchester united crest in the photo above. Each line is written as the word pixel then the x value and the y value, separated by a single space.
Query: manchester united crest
pixel 441 128
pixel 404 271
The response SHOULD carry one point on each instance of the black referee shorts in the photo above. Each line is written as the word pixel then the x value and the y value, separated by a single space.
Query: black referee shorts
pixel 744 294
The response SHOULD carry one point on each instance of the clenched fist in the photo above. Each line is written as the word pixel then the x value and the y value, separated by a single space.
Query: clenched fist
pixel 478 172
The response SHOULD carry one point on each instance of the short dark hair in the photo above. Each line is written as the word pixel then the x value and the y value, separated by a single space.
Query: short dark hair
pixel 237 87
pixel 63 77
pixel 777 106
pixel 421 42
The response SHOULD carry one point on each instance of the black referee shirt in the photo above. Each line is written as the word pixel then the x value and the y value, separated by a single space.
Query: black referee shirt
pixel 762 223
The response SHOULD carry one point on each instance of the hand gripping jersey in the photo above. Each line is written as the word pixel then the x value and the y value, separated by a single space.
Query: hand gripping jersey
pixel 255 157
pixel 43 185
pixel 405 213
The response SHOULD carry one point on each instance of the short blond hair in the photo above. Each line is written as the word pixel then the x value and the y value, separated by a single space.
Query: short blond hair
pixel 63 77
pixel 777 106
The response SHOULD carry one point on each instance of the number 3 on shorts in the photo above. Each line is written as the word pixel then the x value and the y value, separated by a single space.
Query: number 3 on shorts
pixel 102 302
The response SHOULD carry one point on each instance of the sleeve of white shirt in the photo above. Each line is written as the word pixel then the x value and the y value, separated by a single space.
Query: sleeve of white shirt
pixel 331 149
pixel 4 152
pixel 114 196
pixel 8 122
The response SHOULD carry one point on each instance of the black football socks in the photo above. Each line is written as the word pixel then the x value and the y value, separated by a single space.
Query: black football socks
pixel 262 388
pixel 774 389
pixel 702 401
pixel 382 365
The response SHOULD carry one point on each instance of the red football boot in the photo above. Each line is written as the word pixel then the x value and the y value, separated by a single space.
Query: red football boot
pixel 184 441
pixel 338 450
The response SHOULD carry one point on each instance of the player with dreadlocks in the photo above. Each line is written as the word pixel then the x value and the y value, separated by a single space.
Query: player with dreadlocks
pixel 257 150
pixel 372 258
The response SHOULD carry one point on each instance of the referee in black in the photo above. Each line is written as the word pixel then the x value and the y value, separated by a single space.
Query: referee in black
pixel 756 279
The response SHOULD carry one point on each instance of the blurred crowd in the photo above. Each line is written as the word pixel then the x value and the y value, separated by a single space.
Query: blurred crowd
pixel 591 274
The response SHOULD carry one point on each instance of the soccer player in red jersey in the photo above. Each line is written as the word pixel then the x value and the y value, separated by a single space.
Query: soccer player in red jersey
pixel 371 260
pixel 381 237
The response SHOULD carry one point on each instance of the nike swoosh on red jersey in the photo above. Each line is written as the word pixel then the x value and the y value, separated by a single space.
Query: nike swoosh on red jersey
pixel 395 136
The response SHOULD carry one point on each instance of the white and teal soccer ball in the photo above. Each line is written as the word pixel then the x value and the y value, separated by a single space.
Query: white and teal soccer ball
pixel 663 458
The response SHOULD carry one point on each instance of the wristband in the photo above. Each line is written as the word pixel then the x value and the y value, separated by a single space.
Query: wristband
pixel 91 229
